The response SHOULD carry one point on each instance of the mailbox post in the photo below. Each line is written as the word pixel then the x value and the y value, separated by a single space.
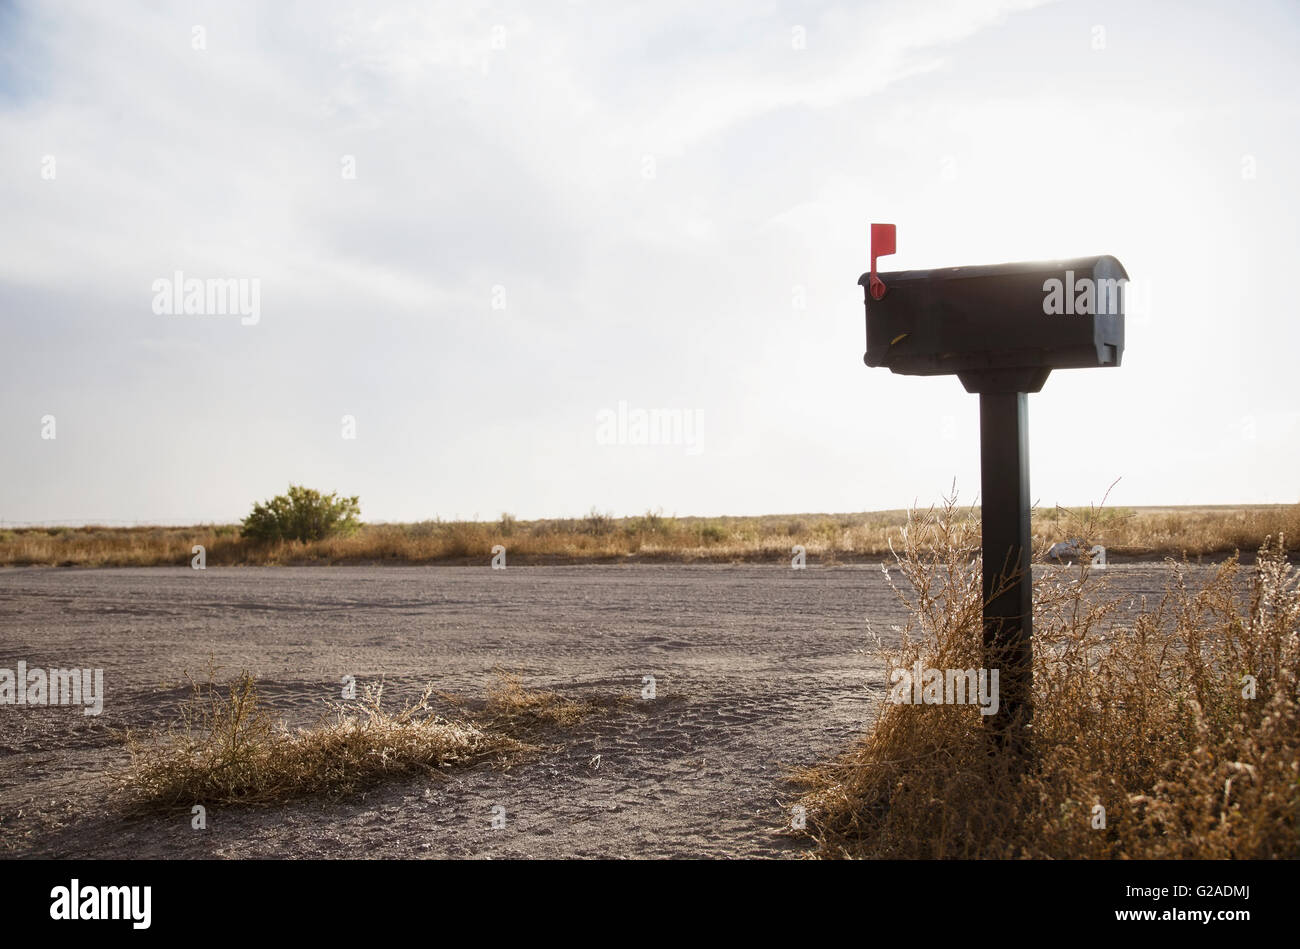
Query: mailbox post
pixel 1007 586
pixel 1001 330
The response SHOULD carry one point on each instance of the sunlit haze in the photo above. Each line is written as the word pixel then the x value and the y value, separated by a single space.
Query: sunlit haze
pixel 484 232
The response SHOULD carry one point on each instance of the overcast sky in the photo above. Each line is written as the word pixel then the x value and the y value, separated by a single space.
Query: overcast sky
pixel 481 232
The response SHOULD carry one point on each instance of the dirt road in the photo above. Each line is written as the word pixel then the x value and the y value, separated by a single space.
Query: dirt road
pixel 755 668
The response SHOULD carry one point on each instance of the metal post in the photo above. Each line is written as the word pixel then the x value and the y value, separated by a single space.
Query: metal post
pixel 1008 582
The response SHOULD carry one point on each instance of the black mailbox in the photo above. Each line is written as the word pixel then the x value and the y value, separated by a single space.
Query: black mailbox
pixel 1000 329
pixel 1065 314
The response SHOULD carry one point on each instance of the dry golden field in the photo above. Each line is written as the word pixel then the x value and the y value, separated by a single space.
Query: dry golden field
pixel 1127 534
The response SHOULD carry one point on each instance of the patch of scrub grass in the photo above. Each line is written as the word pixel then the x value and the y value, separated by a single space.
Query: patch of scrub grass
pixel 513 709
pixel 509 703
pixel 227 748
pixel 1149 741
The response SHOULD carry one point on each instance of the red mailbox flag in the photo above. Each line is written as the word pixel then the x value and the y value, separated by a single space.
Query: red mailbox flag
pixel 883 239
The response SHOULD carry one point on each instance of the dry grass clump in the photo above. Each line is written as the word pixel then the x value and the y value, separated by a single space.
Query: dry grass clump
pixel 1179 532
pixel 1143 711
pixel 227 748
pixel 513 708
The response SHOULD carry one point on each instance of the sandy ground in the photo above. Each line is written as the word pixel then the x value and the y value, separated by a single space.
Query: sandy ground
pixel 756 669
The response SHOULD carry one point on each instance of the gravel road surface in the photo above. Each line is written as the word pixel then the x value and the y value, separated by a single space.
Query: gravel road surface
pixel 756 669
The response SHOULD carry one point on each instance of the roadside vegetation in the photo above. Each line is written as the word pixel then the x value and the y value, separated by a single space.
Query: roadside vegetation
pixel 1127 533
pixel 302 515
pixel 228 748
pixel 1167 728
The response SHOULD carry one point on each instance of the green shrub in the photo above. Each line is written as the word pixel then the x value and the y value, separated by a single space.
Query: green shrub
pixel 303 514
